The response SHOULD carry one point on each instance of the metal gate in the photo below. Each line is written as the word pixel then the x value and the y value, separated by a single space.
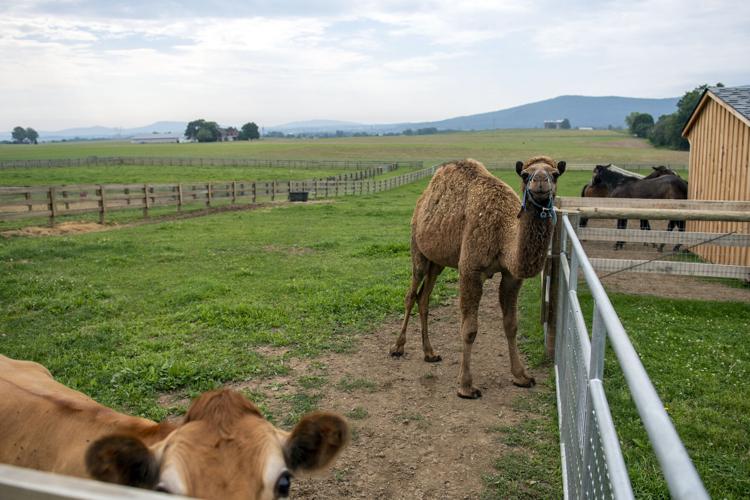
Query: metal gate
pixel 592 462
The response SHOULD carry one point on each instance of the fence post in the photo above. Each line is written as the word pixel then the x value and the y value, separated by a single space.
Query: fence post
pixel 253 187
pixel 273 190
pixel 179 197
pixel 208 194
pixel 102 204
pixel 234 192
pixel 145 200
pixel 52 206
pixel 553 282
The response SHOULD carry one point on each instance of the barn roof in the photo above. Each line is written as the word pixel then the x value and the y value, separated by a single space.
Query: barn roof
pixel 736 99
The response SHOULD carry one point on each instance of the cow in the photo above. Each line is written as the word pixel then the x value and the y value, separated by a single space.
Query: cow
pixel 222 449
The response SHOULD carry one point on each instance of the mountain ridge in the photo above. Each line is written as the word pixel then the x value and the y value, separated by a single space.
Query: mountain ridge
pixel 581 111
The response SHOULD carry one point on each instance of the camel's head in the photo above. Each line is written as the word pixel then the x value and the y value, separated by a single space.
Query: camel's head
pixel 539 175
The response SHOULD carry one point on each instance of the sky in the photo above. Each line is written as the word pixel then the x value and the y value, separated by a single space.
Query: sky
pixel 71 63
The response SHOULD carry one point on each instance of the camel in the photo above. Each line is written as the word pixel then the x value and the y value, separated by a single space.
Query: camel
pixel 470 220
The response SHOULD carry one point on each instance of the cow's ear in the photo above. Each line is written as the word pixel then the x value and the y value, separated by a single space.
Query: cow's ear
pixel 122 460
pixel 519 167
pixel 316 440
pixel 561 166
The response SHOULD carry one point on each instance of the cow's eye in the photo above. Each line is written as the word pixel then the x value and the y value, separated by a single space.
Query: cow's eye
pixel 283 484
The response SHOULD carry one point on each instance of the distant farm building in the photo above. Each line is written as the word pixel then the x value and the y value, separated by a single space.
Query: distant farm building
pixel 156 138
pixel 228 134
pixel 719 134
pixel 553 123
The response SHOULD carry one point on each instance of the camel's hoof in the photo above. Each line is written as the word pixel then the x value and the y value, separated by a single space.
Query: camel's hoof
pixel 474 393
pixel 397 352
pixel 433 359
pixel 527 382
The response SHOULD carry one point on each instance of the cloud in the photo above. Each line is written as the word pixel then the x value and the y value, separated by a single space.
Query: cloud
pixel 362 60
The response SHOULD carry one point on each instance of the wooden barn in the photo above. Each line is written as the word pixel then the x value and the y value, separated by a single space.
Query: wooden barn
pixel 719 134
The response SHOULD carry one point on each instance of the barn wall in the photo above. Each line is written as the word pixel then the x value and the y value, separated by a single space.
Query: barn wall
pixel 719 170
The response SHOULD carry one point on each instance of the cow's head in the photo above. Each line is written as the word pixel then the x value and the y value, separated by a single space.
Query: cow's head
pixel 539 177
pixel 224 449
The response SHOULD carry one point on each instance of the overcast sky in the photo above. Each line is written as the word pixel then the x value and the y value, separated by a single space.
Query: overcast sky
pixel 68 63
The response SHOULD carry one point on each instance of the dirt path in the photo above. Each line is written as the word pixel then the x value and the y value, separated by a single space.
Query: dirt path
pixel 412 436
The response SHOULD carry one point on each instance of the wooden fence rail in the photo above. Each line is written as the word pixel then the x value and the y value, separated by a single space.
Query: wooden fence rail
pixel 202 162
pixel 57 201
pixel 726 246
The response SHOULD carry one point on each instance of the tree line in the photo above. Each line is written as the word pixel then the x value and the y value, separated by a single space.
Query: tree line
pixel 207 131
pixel 667 130
pixel 26 135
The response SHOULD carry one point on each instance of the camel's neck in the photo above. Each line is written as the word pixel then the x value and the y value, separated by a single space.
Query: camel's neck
pixel 534 235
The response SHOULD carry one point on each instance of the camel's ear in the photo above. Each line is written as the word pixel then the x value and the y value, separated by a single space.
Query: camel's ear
pixel 122 460
pixel 519 167
pixel 561 167
pixel 316 440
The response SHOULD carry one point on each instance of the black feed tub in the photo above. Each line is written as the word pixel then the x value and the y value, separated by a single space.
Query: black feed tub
pixel 298 196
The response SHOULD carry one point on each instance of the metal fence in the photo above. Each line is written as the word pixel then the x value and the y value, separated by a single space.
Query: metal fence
pixel 592 461
pixel 18 483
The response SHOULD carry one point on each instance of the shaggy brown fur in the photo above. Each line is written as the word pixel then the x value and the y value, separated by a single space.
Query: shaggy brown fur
pixel 470 220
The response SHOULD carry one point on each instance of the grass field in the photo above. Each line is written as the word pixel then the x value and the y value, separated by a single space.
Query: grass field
pixel 187 305
pixel 121 174
pixel 595 146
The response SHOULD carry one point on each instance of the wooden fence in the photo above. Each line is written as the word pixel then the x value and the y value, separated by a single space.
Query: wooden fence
pixel 737 238
pixel 96 161
pixel 56 201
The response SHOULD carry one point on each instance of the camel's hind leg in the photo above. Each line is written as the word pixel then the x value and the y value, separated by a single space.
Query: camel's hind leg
pixel 423 298
pixel 509 288
pixel 420 268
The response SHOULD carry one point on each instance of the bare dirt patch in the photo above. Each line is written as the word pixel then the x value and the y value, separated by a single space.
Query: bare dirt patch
pixel 412 436
pixel 57 230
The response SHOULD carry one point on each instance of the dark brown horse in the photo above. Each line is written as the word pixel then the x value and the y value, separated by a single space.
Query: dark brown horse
pixel 662 183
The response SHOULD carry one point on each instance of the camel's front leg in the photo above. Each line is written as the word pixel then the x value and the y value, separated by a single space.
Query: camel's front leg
pixel 470 295
pixel 509 288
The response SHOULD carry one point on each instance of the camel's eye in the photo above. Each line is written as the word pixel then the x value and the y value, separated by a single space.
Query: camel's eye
pixel 283 484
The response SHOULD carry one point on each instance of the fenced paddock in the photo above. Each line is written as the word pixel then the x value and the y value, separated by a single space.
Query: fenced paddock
pixel 592 461
pixel 56 201
pixel 107 161
pixel 732 218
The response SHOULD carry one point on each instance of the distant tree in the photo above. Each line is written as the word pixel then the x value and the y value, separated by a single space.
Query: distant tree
pixel 32 135
pixel 408 131
pixel 668 129
pixel 191 131
pixel 249 131
pixel 565 124
pixel 640 124
pixel 18 134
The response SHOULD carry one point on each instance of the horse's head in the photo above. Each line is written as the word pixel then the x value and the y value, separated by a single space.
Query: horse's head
pixel 539 177
pixel 600 174
pixel 661 170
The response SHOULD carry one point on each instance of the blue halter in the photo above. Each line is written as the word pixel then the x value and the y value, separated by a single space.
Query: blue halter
pixel 545 212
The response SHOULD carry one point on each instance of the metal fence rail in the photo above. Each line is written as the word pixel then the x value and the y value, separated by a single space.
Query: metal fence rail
pixel 18 483
pixel 593 465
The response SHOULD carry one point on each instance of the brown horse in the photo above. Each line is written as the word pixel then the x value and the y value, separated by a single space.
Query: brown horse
pixel 662 183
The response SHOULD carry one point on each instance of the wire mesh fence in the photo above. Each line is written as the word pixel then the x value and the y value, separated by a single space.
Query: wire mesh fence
pixel 593 464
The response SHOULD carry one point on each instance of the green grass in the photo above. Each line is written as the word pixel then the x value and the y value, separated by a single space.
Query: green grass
pixel 530 468
pixel 698 358
pixel 129 174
